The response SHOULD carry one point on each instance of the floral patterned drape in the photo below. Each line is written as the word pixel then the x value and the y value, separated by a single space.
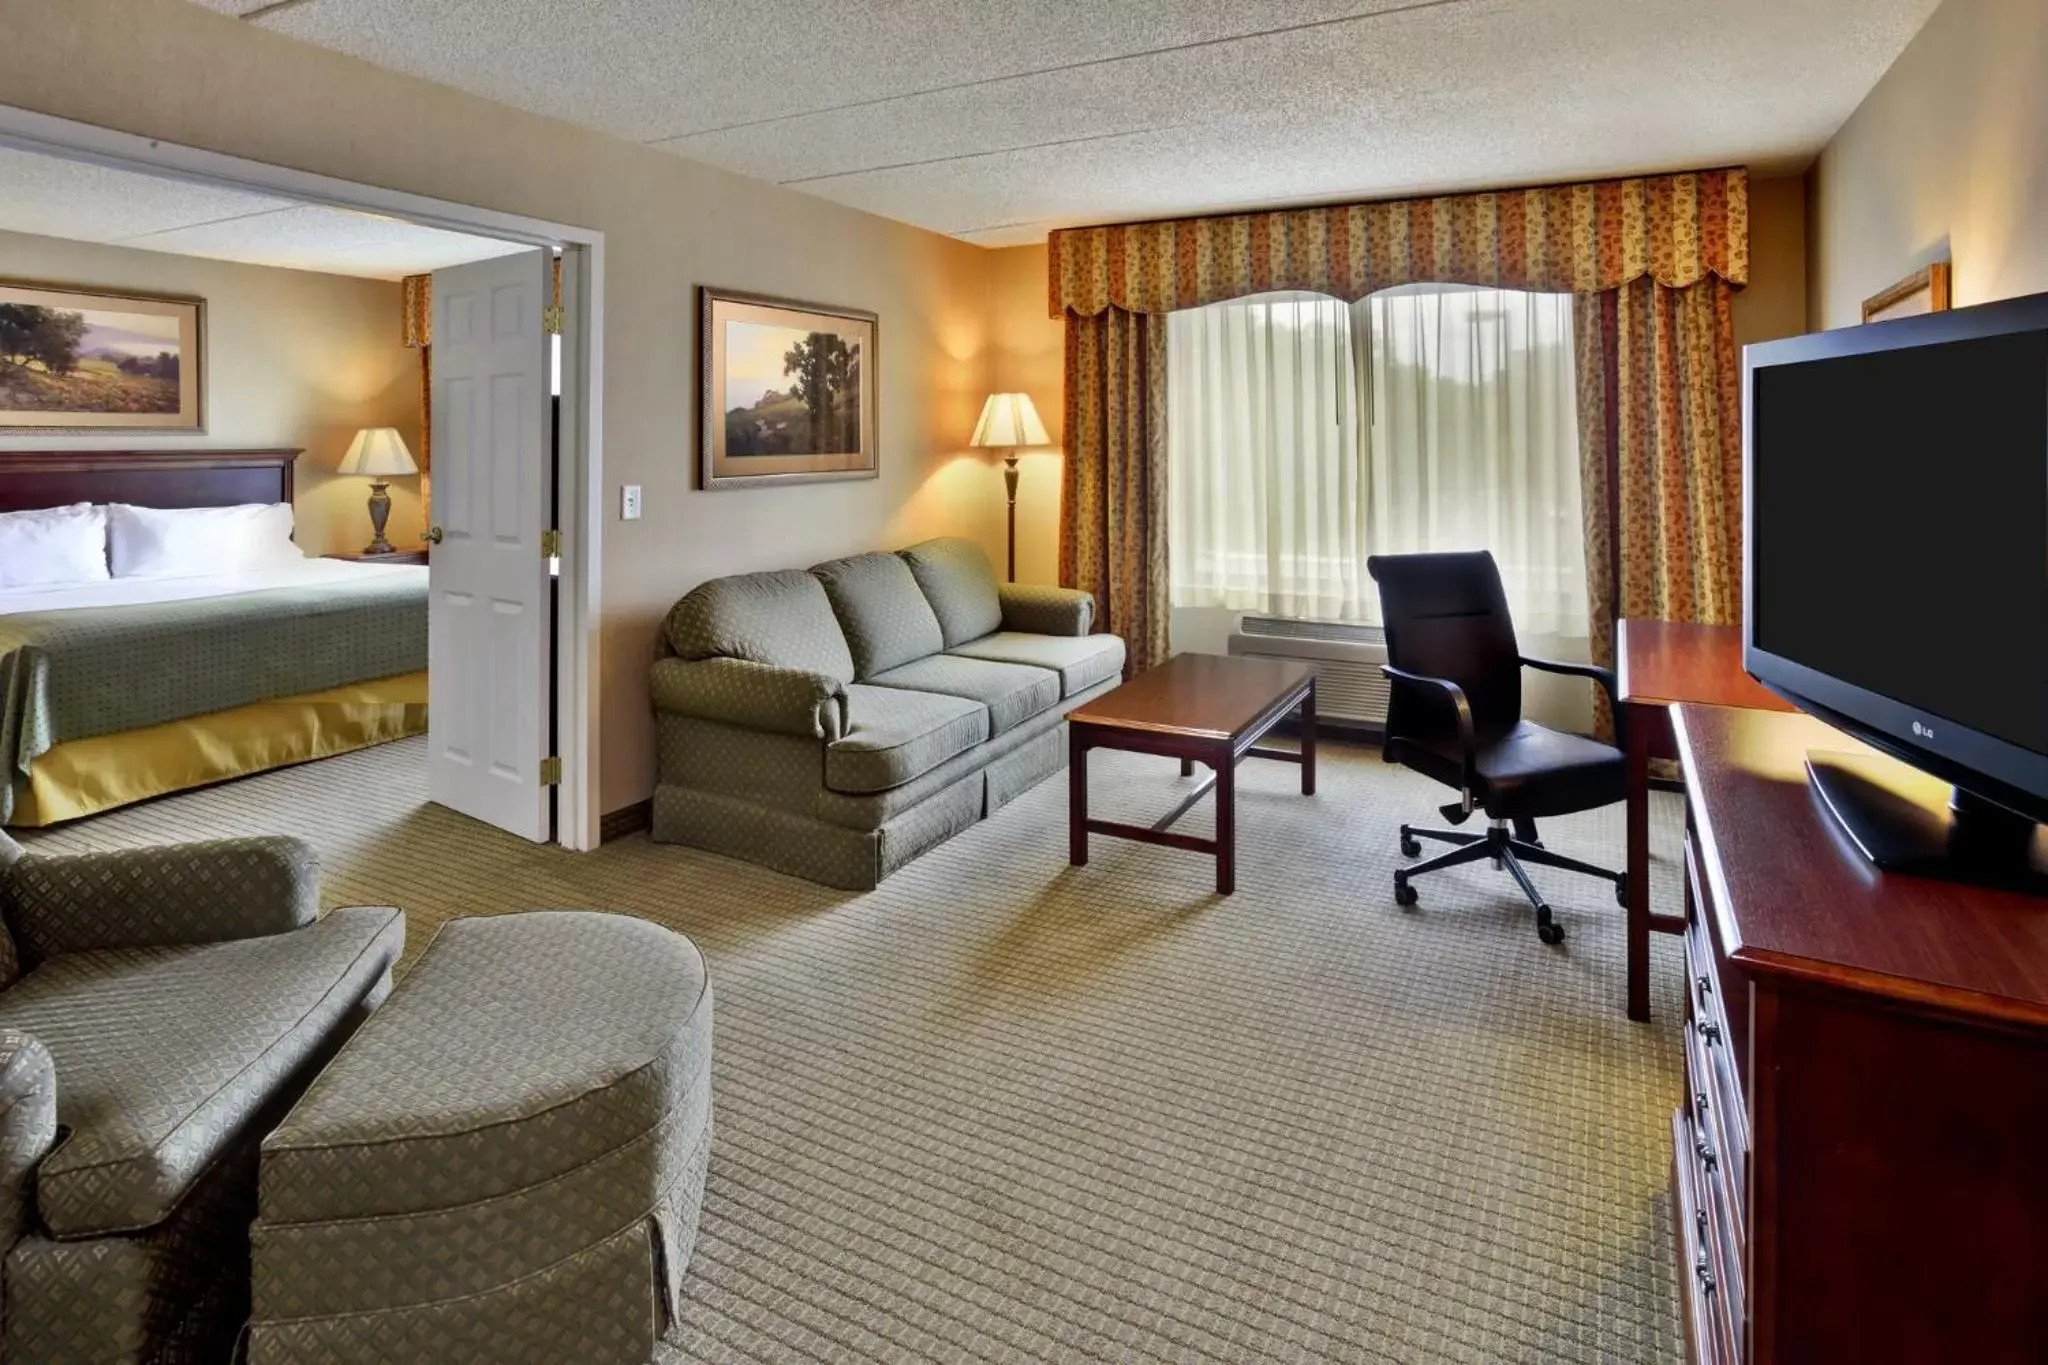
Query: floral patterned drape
pixel 1113 515
pixel 1661 254
pixel 1660 449
pixel 416 324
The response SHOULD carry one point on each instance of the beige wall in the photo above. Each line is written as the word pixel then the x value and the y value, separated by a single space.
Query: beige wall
pixel 1028 354
pixel 1946 158
pixel 292 359
pixel 171 70
pixel 1774 302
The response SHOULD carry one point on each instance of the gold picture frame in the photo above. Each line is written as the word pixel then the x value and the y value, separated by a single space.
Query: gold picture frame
pixel 80 359
pixel 1923 291
pixel 786 391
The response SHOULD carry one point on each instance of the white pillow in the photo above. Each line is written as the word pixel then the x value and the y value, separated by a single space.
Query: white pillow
pixel 48 546
pixel 179 542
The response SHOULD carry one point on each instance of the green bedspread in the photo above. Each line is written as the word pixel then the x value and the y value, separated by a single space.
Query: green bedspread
pixel 100 670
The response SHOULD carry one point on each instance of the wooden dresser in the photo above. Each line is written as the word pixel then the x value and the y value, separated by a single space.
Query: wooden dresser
pixel 1861 1156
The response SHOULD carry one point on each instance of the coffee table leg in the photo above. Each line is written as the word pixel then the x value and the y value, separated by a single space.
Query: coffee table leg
pixel 1077 796
pixel 1226 825
pixel 1308 741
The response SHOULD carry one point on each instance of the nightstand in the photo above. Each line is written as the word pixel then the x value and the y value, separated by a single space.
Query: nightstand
pixel 418 556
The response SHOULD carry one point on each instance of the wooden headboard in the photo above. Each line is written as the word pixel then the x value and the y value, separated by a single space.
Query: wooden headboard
pixel 147 478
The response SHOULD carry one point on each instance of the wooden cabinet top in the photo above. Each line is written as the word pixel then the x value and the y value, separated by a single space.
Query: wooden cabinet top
pixel 1791 896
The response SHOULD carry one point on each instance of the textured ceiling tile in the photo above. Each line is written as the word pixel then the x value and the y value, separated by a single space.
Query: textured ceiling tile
pixel 649 69
pixel 57 198
pixel 336 241
pixel 988 120
pixel 84 202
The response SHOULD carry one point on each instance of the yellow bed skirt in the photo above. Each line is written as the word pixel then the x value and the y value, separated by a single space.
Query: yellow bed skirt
pixel 86 776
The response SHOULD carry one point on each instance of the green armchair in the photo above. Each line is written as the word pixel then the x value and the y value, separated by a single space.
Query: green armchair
pixel 160 1009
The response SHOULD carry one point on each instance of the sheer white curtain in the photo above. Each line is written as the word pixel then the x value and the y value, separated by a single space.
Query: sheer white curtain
pixel 1266 489
pixel 1304 434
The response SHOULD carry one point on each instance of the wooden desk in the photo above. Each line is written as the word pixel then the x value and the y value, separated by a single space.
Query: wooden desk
pixel 1663 663
pixel 1856 1164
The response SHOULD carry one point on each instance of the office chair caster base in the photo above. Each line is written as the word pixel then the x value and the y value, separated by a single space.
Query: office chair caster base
pixel 1404 894
pixel 1548 929
pixel 1621 889
pixel 1411 847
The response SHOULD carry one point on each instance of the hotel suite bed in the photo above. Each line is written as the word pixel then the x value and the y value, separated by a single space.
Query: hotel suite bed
pixel 115 690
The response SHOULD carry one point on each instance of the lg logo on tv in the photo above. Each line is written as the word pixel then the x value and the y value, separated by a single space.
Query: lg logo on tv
pixel 1923 731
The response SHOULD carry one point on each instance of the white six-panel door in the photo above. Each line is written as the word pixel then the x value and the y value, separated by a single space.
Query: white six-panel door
pixel 488 626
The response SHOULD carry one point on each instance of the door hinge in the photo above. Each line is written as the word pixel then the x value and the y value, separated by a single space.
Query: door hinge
pixel 551 319
pixel 550 544
pixel 551 771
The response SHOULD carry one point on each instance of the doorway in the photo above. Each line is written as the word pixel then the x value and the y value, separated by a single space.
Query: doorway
pixel 559 669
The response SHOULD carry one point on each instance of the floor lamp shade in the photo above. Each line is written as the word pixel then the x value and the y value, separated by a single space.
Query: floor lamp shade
pixel 1007 421
pixel 378 453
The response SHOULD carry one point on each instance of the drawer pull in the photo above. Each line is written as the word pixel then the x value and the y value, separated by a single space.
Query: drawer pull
pixel 1703 1271
pixel 1705 984
pixel 1699 1103
pixel 1709 1031
pixel 1705 1154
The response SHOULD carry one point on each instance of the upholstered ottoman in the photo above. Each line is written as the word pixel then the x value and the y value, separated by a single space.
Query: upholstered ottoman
pixel 504 1164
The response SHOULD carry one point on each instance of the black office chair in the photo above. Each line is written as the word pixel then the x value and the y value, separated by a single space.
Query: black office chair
pixel 1455 714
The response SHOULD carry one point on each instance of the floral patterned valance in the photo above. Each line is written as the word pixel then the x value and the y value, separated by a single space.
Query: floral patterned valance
pixel 1562 238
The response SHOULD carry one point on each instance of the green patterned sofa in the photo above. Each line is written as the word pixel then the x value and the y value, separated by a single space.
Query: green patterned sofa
pixel 159 1010
pixel 836 722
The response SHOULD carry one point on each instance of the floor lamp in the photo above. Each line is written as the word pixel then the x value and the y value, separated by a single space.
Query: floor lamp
pixel 1008 421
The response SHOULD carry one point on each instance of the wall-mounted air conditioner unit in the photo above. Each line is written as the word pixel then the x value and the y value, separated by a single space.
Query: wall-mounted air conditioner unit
pixel 1346 658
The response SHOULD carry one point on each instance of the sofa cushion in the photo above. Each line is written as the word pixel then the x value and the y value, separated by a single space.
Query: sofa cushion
pixel 886 619
pixel 783 619
pixel 959 582
pixel 1011 692
pixel 165 1054
pixel 1082 661
pixel 893 735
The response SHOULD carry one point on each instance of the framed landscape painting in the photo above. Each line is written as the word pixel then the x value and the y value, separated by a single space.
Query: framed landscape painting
pixel 787 392
pixel 72 359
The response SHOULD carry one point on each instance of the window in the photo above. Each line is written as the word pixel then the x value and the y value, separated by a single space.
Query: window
pixel 1304 434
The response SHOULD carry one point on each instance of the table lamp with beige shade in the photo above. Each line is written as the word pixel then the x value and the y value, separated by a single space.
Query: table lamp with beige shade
pixel 378 453
pixel 1008 421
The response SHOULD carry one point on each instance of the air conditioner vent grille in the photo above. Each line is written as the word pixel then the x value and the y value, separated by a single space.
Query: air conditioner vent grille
pixel 1346 658
pixel 1291 628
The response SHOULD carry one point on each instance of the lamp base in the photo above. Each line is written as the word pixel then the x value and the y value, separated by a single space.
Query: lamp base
pixel 380 512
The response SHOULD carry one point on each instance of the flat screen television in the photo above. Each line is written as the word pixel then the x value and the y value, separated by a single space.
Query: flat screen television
pixel 1896 577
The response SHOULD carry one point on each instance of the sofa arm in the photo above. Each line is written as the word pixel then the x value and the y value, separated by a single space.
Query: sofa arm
pixel 28 1125
pixel 1039 609
pixel 176 893
pixel 787 701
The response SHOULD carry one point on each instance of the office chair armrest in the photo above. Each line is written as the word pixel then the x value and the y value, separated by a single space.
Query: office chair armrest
pixel 1468 740
pixel 1603 676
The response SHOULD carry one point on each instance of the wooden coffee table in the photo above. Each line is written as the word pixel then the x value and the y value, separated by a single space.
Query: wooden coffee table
pixel 1198 708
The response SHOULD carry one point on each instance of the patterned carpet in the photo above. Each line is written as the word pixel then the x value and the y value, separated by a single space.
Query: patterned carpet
pixel 1006 1110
